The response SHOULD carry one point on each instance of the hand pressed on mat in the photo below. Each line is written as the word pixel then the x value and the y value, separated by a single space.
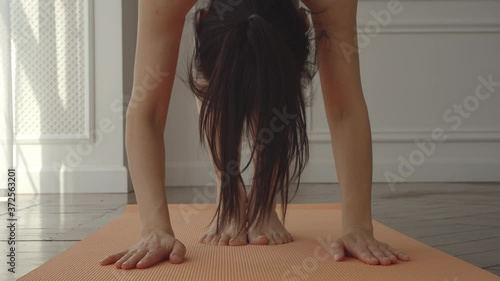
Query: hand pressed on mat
pixel 153 248
pixel 360 243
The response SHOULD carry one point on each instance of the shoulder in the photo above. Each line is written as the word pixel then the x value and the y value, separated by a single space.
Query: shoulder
pixel 336 15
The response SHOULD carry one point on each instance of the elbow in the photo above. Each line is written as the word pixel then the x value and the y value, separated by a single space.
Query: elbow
pixel 336 116
pixel 143 117
pixel 341 112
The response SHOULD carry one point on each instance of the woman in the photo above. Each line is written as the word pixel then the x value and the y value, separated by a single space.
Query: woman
pixel 251 64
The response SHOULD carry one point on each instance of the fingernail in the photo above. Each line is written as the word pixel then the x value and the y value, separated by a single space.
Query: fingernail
pixel 336 257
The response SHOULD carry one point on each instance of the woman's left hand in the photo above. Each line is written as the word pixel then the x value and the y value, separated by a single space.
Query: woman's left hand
pixel 360 243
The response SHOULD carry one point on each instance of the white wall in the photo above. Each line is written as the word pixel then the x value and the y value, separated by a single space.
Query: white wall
pixel 429 56
pixel 129 33
pixel 6 151
pixel 67 74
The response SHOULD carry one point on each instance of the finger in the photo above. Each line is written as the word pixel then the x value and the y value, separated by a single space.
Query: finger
pixel 402 256
pixel 119 263
pixel 178 253
pixel 388 254
pixel 379 255
pixel 134 259
pixel 365 255
pixel 338 251
pixel 112 258
pixel 151 258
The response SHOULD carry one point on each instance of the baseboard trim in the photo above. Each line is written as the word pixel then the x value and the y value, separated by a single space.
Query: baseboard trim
pixel 85 179
pixel 319 171
pixel 400 136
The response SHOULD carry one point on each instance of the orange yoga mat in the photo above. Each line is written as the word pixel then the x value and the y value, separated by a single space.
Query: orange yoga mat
pixel 313 228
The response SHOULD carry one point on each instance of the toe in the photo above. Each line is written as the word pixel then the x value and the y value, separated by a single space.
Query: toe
pixel 260 240
pixel 224 240
pixel 271 239
pixel 208 239
pixel 215 240
pixel 239 241
pixel 284 238
pixel 202 238
pixel 277 239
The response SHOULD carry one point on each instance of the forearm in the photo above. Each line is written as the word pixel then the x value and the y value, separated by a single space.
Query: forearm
pixel 145 128
pixel 350 133
pixel 345 107
pixel 351 144
pixel 159 33
pixel 146 158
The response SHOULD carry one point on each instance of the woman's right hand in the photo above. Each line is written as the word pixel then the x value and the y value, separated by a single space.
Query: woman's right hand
pixel 155 246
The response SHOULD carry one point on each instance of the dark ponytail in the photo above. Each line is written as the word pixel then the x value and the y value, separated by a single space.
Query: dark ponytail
pixel 256 62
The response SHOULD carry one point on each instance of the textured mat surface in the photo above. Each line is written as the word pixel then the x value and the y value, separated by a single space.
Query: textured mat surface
pixel 314 227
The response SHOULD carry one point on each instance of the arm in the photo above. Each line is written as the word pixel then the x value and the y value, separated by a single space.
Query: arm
pixel 159 32
pixel 158 39
pixel 350 130
pixel 346 109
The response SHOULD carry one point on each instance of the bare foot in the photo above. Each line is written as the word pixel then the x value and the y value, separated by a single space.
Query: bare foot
pixel 229 235
pixel 270 232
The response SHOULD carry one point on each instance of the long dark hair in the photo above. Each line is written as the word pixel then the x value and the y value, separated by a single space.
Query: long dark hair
pixel 258 59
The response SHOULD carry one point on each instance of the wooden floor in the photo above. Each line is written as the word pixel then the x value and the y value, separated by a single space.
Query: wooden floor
pixel 459 219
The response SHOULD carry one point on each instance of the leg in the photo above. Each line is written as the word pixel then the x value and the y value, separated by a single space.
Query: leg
pixel 271 231
pixel 229 236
